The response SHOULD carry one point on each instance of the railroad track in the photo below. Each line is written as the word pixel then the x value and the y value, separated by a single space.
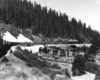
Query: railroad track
pixel 70 62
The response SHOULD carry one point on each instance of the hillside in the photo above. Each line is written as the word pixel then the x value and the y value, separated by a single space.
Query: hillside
pixel 11 31
pixel 22 14
pixel 20 64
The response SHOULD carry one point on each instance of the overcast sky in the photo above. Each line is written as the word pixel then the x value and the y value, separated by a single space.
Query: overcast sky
pixel 86 10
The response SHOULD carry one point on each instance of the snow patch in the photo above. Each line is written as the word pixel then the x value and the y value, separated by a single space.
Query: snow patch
pixel 22 38
pixel 87 76
pixel 8 37
pixel 13 48
pixel 34 48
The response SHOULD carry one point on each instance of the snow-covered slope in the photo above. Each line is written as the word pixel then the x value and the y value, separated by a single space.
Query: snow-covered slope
pixel 7 36
pixel 22 38
pixel 87 76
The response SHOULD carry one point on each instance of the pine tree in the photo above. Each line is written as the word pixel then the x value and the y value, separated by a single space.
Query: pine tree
pixel 50 23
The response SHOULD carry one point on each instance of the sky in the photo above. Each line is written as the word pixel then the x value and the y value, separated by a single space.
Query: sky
pixel 87 11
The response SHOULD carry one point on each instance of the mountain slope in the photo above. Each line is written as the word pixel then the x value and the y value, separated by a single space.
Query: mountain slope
pixel 23 14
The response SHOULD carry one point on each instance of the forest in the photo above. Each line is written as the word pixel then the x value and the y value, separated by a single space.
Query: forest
pixel 47 22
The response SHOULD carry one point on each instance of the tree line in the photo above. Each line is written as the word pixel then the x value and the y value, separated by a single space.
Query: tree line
pixel 50 23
